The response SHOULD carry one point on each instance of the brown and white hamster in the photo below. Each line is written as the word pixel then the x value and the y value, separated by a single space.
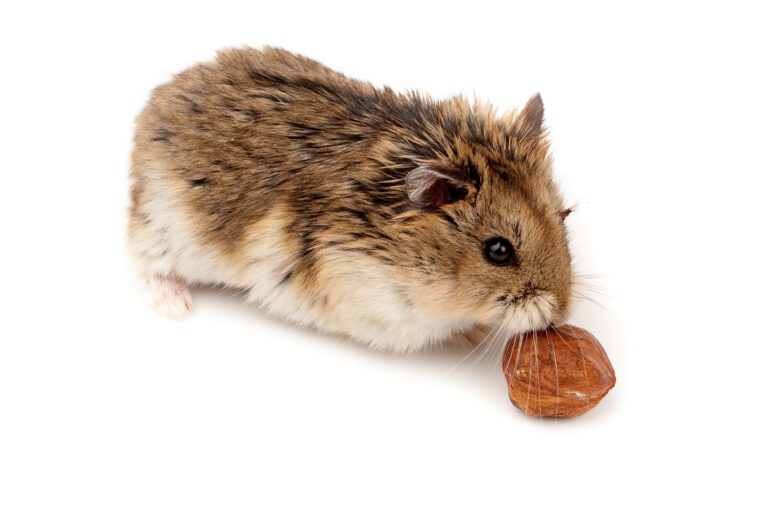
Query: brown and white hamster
pixel 394 219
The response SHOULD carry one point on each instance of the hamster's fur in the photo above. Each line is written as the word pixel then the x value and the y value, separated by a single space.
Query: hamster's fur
pixel 345 207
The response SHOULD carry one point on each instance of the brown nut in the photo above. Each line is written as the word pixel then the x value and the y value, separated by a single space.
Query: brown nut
pixel 559 373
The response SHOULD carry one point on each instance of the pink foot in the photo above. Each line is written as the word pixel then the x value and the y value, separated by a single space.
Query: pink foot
pixel 168 295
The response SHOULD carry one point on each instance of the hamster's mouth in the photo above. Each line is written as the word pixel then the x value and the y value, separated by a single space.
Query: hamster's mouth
pixel 529 310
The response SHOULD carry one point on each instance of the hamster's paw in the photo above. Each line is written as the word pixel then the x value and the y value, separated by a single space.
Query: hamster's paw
pixel 168 295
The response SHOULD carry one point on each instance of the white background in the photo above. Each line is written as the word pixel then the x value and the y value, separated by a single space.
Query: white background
pixel 658 120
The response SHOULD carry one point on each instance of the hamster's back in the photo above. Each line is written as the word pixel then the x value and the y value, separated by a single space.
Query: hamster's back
pixel 255 138
pixel 231 137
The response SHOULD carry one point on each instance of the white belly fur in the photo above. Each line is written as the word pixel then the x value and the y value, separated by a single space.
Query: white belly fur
pixel 361 301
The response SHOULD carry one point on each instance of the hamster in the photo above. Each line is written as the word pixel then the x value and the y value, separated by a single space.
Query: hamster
pixel 393 219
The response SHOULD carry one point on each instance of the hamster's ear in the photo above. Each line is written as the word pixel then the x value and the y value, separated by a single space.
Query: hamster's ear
pixel 433 187
pixel 529 123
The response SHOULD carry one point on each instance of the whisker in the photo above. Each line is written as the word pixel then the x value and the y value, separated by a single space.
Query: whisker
pixel 488 342
pixel 499 361
pixel 538 373
pixel 582 295
pixel 592 288
pixel 509 337
pixel 469 354
pixel 498 334
pixel 589 276
pixel 557 375
pixel 519 341
pixel 528 392
pixel 583 358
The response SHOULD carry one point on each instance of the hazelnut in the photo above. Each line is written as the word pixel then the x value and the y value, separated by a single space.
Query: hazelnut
pixel 559 372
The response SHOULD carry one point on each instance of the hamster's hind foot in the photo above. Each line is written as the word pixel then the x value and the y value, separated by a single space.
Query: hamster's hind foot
pixel 168 295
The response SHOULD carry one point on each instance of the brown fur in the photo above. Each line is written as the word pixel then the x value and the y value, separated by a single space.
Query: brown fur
pixel 256 130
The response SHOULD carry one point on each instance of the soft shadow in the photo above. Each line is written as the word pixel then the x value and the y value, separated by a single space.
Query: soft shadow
pixel 480 369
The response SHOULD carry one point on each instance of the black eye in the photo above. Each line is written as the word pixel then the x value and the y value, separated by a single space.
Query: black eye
pixel 499 251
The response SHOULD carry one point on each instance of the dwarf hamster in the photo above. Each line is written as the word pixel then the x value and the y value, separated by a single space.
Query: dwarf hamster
pixel 393 219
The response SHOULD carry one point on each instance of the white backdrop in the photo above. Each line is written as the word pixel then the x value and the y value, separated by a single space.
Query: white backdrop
pixel 657 115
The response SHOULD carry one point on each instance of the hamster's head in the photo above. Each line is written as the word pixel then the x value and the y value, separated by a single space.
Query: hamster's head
pixel 484 237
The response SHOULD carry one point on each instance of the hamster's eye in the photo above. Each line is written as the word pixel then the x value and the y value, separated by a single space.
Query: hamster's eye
pixel 499 251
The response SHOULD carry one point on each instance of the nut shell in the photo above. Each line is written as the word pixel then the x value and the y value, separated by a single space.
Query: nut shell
pixel 560 372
